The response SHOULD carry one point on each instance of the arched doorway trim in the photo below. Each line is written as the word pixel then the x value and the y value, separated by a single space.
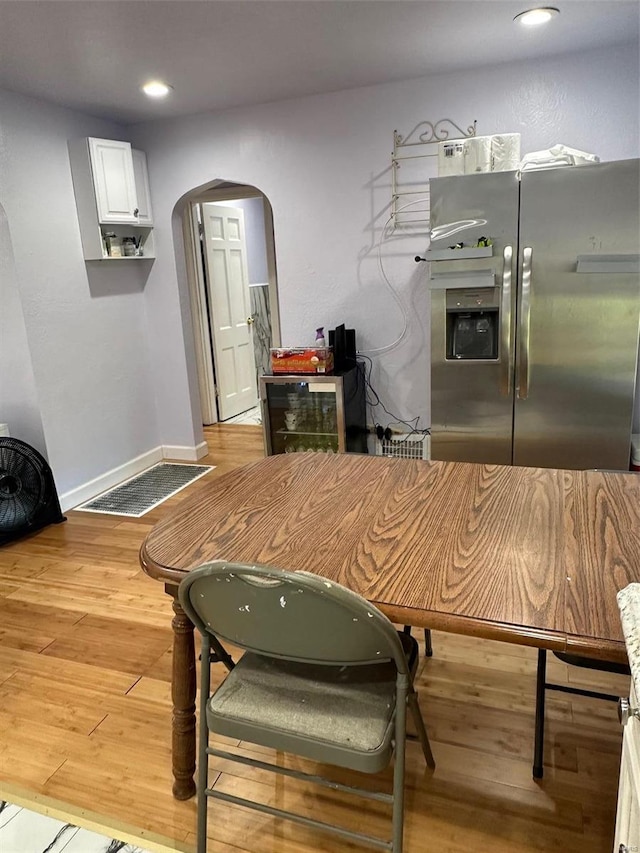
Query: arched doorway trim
pixel 219 191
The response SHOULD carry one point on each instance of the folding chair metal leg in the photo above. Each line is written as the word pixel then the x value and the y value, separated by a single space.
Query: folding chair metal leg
pixel 203 743
pixel 418 720
pixel 428 648
pixel 398 775
pixel 538 748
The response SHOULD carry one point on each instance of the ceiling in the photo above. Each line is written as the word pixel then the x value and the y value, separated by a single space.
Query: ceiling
pixel 93 55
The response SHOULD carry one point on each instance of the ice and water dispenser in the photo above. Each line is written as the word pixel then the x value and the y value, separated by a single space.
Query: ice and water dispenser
pixel 472 323
pixel 471 369
pixel 466 304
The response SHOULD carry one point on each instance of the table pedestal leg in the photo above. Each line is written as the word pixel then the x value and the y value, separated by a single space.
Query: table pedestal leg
pixel 183 694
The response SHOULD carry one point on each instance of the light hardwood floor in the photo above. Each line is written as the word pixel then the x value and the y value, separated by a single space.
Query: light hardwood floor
pixel 85 664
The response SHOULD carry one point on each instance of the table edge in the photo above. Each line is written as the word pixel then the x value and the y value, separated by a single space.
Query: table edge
pixel 451 623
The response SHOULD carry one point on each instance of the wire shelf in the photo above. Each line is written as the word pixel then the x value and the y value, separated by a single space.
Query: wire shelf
pixel 410 188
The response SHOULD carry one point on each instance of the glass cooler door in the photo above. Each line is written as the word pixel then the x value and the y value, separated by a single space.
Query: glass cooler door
pixel 302 414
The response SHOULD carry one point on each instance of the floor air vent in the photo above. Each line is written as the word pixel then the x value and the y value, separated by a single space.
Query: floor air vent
pixel 404 446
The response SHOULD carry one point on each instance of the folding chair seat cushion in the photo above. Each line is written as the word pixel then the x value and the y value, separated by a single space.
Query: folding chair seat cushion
pixel 332 714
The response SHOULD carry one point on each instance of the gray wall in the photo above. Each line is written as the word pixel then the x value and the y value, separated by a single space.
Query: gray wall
pixel 85 324
pixel 18 397
pixel 324 164
pixel 111 354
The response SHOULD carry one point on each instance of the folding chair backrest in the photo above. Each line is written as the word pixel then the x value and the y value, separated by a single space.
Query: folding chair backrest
pixel 292 615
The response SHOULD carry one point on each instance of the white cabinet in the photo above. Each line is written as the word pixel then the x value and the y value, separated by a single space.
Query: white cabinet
pixel 627 836
pixel 111 188
pixel 141 177
pixel 113 181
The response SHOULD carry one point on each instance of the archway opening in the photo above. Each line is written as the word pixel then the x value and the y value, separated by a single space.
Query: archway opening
pixel 232 277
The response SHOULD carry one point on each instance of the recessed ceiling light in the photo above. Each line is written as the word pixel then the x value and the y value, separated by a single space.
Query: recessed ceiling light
pixel 156 89
pixel 535 17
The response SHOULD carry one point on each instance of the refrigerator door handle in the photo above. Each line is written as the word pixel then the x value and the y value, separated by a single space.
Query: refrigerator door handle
pixel 525 323
pixel 505 324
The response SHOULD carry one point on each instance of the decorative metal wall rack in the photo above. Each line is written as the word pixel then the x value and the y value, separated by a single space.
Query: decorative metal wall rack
pixel 410 190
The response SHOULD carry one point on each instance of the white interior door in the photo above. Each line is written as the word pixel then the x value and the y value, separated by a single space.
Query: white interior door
pixel 229 309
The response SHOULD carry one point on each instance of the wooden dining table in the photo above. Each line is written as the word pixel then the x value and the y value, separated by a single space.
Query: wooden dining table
pixel 533 556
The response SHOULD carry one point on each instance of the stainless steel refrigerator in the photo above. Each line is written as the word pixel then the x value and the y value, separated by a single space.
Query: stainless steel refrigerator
pixel 534 338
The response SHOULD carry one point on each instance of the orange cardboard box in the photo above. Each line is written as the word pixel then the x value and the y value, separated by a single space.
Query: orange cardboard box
pixel 302 360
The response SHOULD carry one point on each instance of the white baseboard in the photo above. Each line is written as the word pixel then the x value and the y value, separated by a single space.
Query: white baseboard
pixel 109 479
pixel 185 453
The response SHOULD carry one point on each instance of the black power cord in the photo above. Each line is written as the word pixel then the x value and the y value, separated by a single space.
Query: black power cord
pixel 373 399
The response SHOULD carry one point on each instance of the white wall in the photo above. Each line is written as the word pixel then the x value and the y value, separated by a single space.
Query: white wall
pixel 324 164
pixel 86 331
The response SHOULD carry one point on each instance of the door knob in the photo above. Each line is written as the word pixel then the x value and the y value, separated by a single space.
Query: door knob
pixel 625 711
pixel 136 211
pixel 250 321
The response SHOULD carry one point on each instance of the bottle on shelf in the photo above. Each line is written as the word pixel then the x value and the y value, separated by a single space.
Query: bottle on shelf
pixel 129 247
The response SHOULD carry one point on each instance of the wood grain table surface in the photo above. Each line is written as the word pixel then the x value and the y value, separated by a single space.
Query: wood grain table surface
pixel 527 555
pixel 601 557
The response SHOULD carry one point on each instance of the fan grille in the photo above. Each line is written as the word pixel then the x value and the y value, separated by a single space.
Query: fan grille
pixel 24 484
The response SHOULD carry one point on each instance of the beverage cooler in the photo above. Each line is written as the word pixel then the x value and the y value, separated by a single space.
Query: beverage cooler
pixel 304 413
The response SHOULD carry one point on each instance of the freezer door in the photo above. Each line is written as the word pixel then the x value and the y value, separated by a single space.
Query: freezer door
pixel 472 316
pixel 578 315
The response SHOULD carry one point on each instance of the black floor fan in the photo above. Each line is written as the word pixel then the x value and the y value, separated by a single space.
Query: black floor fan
pixel 28 497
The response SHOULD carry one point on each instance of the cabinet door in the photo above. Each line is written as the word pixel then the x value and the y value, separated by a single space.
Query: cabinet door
pixel 472 399
pixel 627 836
pixel 114 181
pixel 577 329
pixel 145 216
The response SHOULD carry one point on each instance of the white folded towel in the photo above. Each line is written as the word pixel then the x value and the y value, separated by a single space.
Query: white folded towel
pixel 557 155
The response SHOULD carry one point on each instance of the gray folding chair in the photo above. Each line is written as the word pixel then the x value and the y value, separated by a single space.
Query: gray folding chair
pixel 324 676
